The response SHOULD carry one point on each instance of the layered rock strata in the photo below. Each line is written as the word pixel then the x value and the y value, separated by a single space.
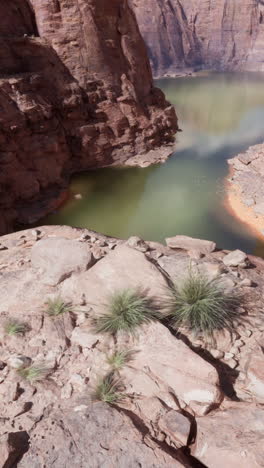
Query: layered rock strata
pixel 245 190
pixel 182 34
pixel 76 93
pixel 176 388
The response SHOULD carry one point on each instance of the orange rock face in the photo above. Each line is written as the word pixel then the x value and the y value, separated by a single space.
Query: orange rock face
pixel 219 34
pixel 76 92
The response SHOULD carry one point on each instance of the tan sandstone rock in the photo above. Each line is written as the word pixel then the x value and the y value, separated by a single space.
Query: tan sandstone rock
pixel 165 365
pixel 95 436
pixel 58 258
pixel 121 268
pixel 189 243
pixel 231 438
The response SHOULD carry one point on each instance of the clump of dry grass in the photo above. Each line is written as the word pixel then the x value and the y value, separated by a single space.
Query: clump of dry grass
pixel 127 310
pixel 202 305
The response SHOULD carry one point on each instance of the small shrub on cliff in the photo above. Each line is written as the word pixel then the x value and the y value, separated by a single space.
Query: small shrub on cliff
pixel 33 373
pixel 202 305
pixel 57 306
pixel 109 389
pixel 14 327
pixel 127 310
pixel 120 358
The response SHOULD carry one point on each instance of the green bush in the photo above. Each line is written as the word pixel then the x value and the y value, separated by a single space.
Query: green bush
pixel 120 358
pixel 202 305
pixel 57 306
pixel 15 327
pixel 109 389
pixel 127 310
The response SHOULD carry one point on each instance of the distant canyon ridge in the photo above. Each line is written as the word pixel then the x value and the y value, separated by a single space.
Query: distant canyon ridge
pixel 222 35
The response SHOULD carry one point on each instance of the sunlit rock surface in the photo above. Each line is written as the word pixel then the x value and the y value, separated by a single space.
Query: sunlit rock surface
pixel 185 399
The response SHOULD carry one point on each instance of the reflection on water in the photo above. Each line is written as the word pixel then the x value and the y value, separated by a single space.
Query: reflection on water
pixel 220 115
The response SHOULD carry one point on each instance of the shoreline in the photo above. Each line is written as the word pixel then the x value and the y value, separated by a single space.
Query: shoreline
pixel 32 216
pixel 245 214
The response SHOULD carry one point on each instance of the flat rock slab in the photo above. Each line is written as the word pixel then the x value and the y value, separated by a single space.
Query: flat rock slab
pixel 92 436
pixel 190 243
pixel 22 292
pixel 231 438
pixel 57 258
pixel 164 365
pixel 120 269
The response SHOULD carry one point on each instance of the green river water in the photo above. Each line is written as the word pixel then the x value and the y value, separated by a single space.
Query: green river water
pixel 220 115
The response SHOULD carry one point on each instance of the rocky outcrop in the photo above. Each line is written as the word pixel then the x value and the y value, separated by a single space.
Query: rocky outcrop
pixel 76 92
pixel 245 189
pixel 176 387
pixel 223 35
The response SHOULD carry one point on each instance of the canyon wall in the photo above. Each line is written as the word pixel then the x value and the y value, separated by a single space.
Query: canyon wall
pixel 219 34
pixel 76 92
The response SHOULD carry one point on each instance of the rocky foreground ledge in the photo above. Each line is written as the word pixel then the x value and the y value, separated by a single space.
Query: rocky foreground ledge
pixel 245 190
pixel 187 402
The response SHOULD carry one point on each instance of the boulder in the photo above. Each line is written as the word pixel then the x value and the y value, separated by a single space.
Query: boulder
pixel 122 268
pixel 58 258
pixel 190 244
pixel 165 366
pixel 176 266
pixel 137 243
pixel 177 426
pixel 235 258
pixel 231 438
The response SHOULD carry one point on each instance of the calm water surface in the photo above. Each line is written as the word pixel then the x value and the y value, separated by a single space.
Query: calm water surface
pixel 220 115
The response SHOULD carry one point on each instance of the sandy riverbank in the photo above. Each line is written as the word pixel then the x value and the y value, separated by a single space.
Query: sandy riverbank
pixel 237 208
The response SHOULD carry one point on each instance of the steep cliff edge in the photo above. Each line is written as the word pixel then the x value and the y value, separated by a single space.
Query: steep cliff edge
pixel 223 35
pixel 76 92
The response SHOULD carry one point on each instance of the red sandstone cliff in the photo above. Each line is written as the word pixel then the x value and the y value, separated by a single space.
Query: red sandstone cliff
pixel 76 92
pixel 219 34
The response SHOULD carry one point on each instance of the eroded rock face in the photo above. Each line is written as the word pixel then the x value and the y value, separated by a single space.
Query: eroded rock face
pixel 76 92
pixel 219 34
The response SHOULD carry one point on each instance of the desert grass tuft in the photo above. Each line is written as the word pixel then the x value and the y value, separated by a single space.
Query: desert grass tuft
pixel 15 327
pixel 33 373
pixel 109 389
pixel 57 306
pixel 202 305
pixel 119 359
pixel 127 310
